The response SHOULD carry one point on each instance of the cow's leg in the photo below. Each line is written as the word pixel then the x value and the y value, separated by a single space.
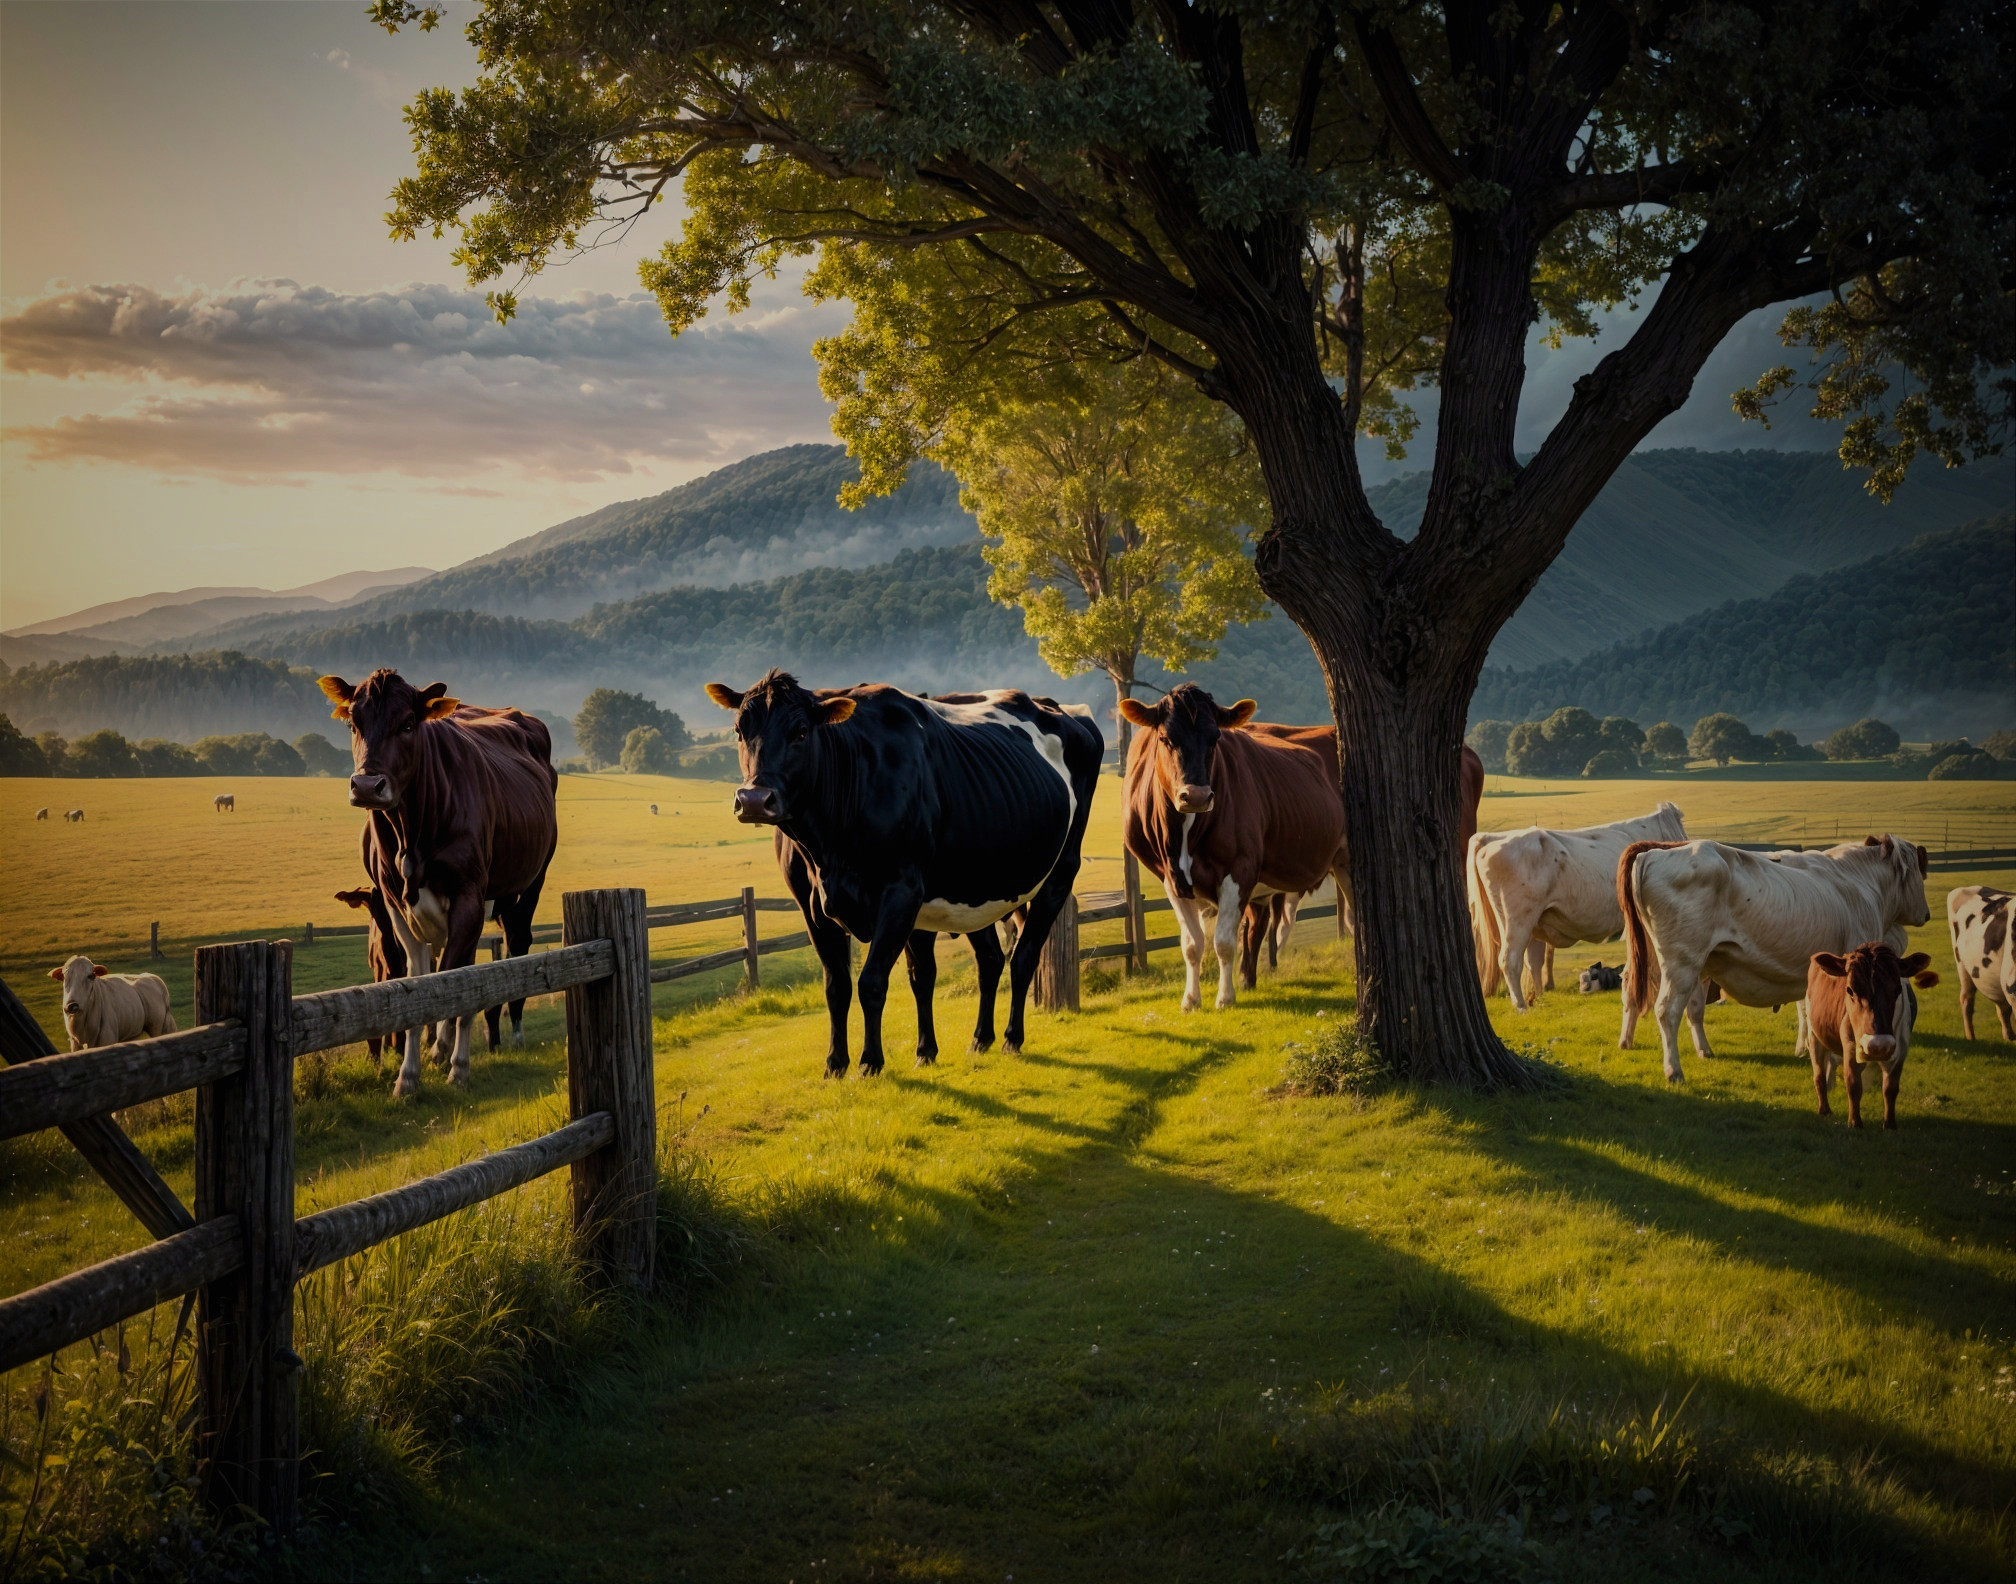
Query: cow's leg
pixel 1823 1068
pixel 1253 924
pixel 465 928
pixel 830 941
pixel 492 1016
pixel 1697 1006
pixel 893 929
pixel 1893 1081
pixel 419 962
pixel 516 923
pixel 1677 992
pixel 2008 1024
pixel 1286 907
pixel 1512 954
pixel 922 950
pixel 1190 925
pixel 1549 966
pixel 1851 1078
pixel 1967 1001
pixel 988 958
pixel 1037 919
pixel 1225 939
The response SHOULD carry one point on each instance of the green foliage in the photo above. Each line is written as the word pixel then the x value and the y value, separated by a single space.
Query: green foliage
pixel 1936 620
pixel 648 751
pixel 177 695
pixel 320 756
pixel 1666 743
pixel 1487 739
pixel 2002 744
pixel 1970 765
pixel 156 756
pixel 1611 764
pixel 1721 738
pixel 20 755
pixel 1866 739
pixel 1336 1059
pixel 1117 501
pixel 102 753
pixel 1420 1546
pixel 608 716
pixel 1559 746
pixel 55 752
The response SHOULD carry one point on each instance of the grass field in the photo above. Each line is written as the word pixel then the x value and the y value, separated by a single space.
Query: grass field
pixel 1116 1309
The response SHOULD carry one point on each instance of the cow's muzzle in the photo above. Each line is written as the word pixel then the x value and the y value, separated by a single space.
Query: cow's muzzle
pixel 372 792
pixel 1878 1047
pixel 758 805
pixel 1193 800
pixel 72 1009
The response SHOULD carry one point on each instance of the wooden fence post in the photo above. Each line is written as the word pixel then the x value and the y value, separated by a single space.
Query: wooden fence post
pixel 609 1069
pixel 749 958
pixel 154 940
pixel 308 933
pixel 245 1167
pixel 1136 920
pixel 1057 968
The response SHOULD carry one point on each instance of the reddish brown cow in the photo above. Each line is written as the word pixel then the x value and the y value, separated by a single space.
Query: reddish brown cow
pixel 462 814
pixel 1858 1012
pixel 1223 815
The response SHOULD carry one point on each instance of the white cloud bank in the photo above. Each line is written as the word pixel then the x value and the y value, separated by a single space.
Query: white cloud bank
pixel 268 380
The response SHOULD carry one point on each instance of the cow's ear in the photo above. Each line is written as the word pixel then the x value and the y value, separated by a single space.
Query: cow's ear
pixel 1142 714
pixel 55 973
pixel 1924 861
pixel 440 708
pixel 1916 963
pixel 834 711
pixel 1831 964
pixel 1871 841
pixel 1238 715
pixel 340 693
pixel 97 970
pixel 721 693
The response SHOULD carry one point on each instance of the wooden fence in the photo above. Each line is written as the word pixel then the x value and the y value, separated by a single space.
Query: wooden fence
pixel 242 1249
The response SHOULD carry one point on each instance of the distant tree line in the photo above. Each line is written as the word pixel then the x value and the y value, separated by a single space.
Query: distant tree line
pixel 106 753
pixel 1573 742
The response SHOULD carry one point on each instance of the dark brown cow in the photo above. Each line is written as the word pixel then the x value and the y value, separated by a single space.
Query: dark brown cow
pixel 462 814
pixel 1858 1012
pixel 1222 815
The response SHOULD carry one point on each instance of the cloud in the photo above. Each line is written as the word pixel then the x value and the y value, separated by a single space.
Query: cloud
pixel 272 381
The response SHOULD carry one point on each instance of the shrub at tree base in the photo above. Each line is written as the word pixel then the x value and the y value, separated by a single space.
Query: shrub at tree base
pixel 1866 739
pixel 1974 765
pixel 646 751
pixel 1338 1060
pixel 1611 764
pixel 608 716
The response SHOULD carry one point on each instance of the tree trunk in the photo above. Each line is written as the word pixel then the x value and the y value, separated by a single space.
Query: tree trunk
pixel 1123 690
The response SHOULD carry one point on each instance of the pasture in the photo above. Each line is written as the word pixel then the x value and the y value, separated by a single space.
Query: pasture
pixel 1118 1308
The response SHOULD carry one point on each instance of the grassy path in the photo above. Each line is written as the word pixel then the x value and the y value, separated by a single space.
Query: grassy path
pixel 1113 1311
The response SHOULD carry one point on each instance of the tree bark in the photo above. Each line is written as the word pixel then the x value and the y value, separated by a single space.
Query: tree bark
pixel 1123 690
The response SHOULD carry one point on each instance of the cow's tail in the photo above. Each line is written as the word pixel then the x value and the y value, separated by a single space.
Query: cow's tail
pixel 1483 918
pixel 1637 947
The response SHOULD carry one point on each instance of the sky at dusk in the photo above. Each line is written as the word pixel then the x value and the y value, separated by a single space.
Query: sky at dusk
pixel 216 368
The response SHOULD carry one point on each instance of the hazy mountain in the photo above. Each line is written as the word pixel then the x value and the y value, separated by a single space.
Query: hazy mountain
pixel 1924 637
pixel 124 620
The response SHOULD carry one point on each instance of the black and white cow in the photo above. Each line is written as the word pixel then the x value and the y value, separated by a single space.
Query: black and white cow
pixel 899 816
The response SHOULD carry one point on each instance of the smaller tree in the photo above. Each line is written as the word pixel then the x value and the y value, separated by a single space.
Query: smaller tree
pixel 2002 744
pixel 156 757
pixel 1619 732
pixel 1487 739
pixel 1666 743
pixel 227 755
pixel 1526 751
pixel 1973 764
pixel 20 755
pixel 1610 764
pixel 55 753
pixel 275 758
pixel 1868 738
pixel 101 755
pixel 1721 737
pixel 646 751
pixel 321 757
pixel 608 716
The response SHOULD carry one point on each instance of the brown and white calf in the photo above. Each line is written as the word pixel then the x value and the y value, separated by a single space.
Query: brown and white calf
pixel 101 1008
pixel 1858 1012
pixel 1982 923
pixel 225 803
pixel 1223 815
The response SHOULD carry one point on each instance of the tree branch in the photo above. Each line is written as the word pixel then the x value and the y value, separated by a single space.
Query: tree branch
pixel 1411 122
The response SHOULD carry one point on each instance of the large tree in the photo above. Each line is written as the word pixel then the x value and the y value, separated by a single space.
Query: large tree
pixel 1308 210
pixel 1118 501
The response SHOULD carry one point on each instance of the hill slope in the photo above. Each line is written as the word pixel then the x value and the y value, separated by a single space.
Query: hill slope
pixel 1924 637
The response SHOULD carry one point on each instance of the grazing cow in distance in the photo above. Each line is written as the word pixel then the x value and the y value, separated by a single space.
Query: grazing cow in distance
pixel 1597 977
pixel 75 816
pixel 1982 922
pixel 1752 922
pixel 1223 815
pixel 897 817
pixel 101 1008
pixel 225 803
pixel 1858 1012
pixel 1549 887
pixel 461 805
pixel 42 814
pixel 654 808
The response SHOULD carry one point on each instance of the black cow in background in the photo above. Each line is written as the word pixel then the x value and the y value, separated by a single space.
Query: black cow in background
pixel 899 816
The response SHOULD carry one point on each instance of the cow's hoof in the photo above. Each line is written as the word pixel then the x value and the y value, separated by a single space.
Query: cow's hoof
pixel 405 1089
pixel 1011 1047
pixel 1225 1002
pixel 1192 1003
pixel 836 1069
pixel 927 1058
pixel 459 1079
pixel 871 1069
pixel 979 1046
pixel 517 1039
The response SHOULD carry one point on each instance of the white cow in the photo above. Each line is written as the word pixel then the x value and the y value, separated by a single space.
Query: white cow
pixel 101 1008
pixel 1533 890
pixel 1980 919
pixel 1752 922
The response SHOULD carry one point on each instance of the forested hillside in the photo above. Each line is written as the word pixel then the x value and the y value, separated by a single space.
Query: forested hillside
pixel 179 696
pixel 1924 637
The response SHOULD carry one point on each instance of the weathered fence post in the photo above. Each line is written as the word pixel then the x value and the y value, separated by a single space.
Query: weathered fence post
pixel 749 958
pixel 245 1167
pixel 154 940
pixel 1137 918
pixel 1057 968
pixel 308 933
pixel 609 1069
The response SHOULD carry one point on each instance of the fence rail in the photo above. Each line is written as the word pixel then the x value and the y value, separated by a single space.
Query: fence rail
pixel 243 1250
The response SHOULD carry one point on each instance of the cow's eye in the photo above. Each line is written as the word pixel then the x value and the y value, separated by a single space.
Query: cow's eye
pixel 799 734
pixel 412 725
